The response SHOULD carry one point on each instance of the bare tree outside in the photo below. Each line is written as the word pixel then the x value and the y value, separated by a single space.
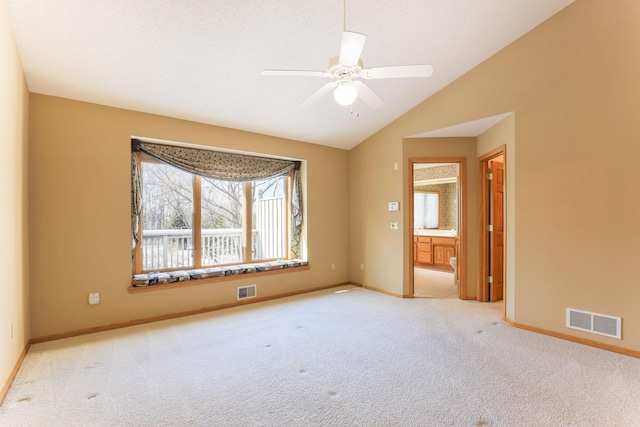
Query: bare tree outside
pixel 222 203
pixel 167 219
pixel 167 197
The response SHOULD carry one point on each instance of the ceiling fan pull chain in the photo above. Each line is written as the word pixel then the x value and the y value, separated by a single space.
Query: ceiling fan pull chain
pixel 344 15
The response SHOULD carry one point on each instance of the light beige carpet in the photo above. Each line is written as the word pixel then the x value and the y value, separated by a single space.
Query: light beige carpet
pixel 354 358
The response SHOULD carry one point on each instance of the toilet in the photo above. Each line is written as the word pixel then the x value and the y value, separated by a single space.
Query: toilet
pixel 453 261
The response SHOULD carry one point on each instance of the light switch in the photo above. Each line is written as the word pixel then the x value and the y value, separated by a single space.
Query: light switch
pixel 394 206
pixel 94 298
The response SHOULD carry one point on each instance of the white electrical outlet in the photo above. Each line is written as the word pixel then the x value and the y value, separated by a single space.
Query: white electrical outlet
pixel 94 298
pixel 333 266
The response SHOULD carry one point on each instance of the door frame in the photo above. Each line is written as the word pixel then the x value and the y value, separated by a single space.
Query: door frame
pixel 462 220
pixel 484 194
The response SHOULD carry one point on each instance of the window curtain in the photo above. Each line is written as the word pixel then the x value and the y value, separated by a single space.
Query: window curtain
pixel 217 165
pixel 136 198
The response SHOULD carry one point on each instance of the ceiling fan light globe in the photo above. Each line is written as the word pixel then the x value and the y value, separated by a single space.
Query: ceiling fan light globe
pixel 346 93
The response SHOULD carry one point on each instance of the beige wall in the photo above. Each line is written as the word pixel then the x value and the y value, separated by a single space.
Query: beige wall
pixel 376 256
pixel 14 289
pixel 79 222
pixel 573 85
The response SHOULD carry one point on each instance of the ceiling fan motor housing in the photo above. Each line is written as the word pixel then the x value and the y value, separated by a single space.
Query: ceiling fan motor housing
pixel 338 71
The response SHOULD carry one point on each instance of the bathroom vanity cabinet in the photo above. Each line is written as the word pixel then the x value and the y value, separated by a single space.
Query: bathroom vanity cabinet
pixel 434 251
pixel 422 253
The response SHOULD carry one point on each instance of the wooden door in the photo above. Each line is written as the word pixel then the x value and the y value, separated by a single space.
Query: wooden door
pixel 496 237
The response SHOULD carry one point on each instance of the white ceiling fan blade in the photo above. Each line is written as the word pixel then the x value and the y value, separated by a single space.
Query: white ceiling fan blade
pixel 368 95
pixel 301 73
pixel 351 48
pixel 392 72
pixel 317 95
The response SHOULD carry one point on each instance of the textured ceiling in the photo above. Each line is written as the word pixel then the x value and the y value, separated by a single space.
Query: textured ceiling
pixel 201 60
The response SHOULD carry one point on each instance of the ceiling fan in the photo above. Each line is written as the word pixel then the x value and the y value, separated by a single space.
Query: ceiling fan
pixel 346 72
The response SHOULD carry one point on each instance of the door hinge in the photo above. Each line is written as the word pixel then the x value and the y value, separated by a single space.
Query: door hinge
pixel 490 228
pixel 490 176
pixel 490 279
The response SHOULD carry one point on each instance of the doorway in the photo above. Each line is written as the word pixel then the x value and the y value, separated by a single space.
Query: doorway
pixel 437 230
pixel 492 225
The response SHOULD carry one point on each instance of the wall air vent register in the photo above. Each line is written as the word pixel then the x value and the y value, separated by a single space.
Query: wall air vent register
pixel 601 324
pixel 247 292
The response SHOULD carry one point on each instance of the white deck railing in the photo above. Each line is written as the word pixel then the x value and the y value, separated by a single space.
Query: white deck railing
pixel 163 249
pixel 173 249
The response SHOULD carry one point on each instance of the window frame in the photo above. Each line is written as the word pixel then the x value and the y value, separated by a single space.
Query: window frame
pixel 437 213
pixel 197 226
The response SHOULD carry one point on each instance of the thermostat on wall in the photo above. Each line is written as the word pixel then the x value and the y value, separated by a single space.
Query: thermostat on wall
pixel 393 206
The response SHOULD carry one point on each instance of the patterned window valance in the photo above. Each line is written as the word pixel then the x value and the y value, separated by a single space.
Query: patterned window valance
pixel 217 165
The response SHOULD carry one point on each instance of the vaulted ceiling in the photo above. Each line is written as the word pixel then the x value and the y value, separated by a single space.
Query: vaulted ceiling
pixel 201 60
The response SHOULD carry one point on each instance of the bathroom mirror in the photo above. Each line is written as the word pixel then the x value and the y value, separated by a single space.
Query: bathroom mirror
pixel 426 209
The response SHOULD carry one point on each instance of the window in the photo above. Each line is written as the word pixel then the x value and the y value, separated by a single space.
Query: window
pixel 426 206
pixel 184 220
pixel 167 217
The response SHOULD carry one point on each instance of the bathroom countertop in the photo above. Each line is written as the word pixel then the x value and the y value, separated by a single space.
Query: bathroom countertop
pixel 435 233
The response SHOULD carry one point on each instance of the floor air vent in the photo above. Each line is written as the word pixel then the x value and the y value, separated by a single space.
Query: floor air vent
pixel 600 324
pixel 247 292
